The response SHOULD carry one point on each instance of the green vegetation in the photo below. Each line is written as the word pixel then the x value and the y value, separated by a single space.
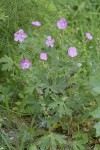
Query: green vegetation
pixel 55 104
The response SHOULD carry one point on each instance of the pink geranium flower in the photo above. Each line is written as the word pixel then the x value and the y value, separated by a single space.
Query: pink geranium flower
pixel 72 52
pixel 43 56
pixel 36 23
pixel 25 63
pixel 49 41
pixel 89 36
pixel 62 24
pixel 20 35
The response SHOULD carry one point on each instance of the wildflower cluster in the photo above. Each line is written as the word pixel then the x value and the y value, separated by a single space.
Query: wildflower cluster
pixel 61 24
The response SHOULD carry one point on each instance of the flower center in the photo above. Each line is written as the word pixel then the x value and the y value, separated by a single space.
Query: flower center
pixel 20 35
pixel 25 64
pixel 50 42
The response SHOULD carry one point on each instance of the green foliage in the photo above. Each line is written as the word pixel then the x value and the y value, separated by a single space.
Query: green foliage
pixel 49 105
pixel 97 127
pixel 97 147
pixel 79 141
pixel 96 114
pixel 95 84
pixel 32 147
pixel 51 141
pixel 7 63
pixel 60 106
pixel 1 148
pixel 3 17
